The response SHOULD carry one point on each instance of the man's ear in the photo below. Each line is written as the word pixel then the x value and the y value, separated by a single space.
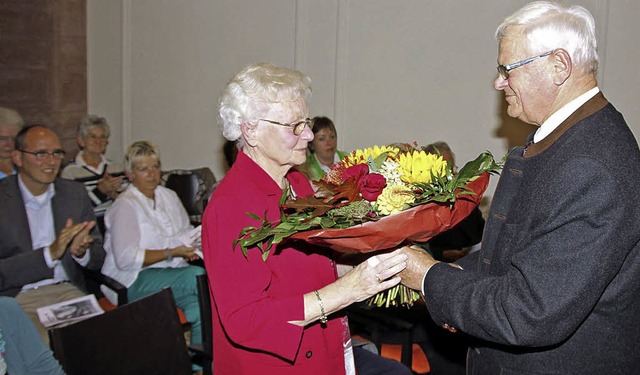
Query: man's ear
pixel 250 132
pixel 81 142
pixel 16 158
pixel 562 66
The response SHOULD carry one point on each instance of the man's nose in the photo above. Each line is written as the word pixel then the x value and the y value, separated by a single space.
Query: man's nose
pixel 500 82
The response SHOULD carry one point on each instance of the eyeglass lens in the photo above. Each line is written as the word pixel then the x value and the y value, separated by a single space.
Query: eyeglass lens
pixel 41 155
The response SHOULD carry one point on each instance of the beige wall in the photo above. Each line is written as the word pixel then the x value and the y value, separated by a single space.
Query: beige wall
pixel 384 70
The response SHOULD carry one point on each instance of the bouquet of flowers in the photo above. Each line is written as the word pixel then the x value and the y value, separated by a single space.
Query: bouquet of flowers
pixel 375 199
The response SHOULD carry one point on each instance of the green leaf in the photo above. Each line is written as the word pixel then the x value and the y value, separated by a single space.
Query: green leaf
pixel 254 216
pixel 375 164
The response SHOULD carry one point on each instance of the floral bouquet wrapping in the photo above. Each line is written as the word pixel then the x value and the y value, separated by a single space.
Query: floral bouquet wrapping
pixel 375 199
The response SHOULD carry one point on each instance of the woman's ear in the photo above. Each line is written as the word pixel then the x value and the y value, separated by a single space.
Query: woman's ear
pixel 250 133
pixel 562 66
pixel 81 142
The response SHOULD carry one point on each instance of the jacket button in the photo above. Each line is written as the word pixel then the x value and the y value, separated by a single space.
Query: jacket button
pixel 309 354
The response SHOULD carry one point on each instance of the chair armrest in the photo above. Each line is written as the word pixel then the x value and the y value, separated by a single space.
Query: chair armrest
pixel 110 283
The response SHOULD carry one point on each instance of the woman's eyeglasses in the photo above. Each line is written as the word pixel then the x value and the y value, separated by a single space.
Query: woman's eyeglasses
pixel 298 126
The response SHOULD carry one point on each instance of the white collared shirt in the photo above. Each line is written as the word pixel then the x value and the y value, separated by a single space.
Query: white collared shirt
pixel 562 114
pixel 42 229
pixel 98 170
pixel 135 224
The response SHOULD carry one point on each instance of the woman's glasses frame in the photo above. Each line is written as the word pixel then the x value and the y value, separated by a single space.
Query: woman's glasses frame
pixel 297 126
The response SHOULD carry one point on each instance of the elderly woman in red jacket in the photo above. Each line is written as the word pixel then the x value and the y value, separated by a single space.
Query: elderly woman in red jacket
pixel 282 315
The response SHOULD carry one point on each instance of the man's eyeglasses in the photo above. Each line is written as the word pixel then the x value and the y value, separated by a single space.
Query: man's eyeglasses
pixel 298 126
pixel 505 69
pixel 42 155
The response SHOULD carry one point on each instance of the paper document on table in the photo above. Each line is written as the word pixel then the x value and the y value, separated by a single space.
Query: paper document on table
pixel 69 311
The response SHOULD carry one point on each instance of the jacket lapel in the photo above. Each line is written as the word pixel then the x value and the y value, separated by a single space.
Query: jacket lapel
pixel 592 106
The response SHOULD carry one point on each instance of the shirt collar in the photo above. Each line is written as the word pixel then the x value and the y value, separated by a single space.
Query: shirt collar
pixel 253 173
pixel 80 161
pixel 36 201
pixel 562 114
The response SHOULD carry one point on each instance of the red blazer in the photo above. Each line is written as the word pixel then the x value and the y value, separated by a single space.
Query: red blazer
pixel 253 300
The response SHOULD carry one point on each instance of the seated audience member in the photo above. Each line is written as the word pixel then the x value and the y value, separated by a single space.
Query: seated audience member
pixel 10 124
pixel 455 243
pixel 102 177
pixel 47 227
pixel 447 351
pixel 403 147
pixel 22 351
pixel 148 240
pixel 323 149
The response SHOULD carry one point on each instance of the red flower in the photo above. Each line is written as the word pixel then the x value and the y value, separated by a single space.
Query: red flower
pixel 371 186
pixel 357 171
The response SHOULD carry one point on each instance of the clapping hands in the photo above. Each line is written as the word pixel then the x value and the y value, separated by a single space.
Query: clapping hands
pixel 110 186
pixel 77 237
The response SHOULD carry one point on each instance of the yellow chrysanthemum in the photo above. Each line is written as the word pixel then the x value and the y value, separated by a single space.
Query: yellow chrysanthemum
pixel 362 156
pixel 418 166
pixel 393 199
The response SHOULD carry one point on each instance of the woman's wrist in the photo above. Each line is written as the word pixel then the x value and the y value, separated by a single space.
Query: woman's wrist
pixel 323 315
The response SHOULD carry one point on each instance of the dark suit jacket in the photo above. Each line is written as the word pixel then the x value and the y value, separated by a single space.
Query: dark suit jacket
pixel 19 263
pixel 555 288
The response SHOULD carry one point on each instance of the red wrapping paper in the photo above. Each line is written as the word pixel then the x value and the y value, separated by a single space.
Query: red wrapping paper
pixel 418 224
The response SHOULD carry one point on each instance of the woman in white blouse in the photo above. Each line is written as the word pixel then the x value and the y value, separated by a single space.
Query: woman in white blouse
pixel 149 238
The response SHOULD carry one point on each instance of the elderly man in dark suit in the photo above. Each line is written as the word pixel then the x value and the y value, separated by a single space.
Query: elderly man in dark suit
pixel 47 227
pixel 555 288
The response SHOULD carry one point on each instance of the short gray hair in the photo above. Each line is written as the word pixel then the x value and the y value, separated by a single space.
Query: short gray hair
pixel 138 150
pixel 89 122
pixel 10 117
pixel 548 25
pixel 244 96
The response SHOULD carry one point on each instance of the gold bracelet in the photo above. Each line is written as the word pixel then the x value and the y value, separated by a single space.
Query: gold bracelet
pixel 323 317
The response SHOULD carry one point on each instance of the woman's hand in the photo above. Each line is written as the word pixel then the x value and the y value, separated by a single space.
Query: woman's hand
pixel 186 252
pixel 372 276
pixel 110 186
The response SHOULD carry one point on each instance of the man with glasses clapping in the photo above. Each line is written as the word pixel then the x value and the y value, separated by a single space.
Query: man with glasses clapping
pixel 47 227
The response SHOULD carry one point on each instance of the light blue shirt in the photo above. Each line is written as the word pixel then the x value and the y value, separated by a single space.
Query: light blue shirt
pixel 3 175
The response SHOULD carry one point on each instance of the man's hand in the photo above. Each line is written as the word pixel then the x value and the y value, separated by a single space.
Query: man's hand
pixel 72 232
pixel 82 240
pixel 418 263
